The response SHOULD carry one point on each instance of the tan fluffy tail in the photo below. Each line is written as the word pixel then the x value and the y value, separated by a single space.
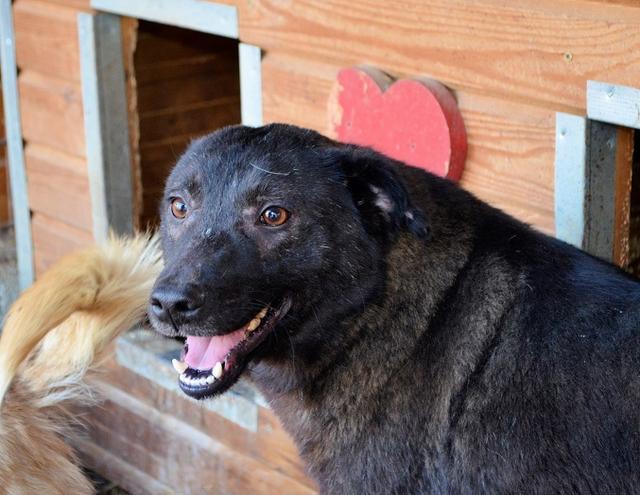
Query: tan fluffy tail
pixel 68 317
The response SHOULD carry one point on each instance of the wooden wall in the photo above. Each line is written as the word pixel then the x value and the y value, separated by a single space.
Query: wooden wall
pixel 152 441
pixel 52 126
pixel 187 84
pixel 512 66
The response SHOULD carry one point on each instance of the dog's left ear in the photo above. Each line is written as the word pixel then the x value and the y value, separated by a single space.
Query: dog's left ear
pixel 379 194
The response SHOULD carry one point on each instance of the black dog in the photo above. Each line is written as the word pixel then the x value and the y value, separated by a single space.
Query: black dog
pixel 411 338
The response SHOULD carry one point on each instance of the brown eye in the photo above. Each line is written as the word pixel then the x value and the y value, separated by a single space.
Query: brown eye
pixel 178 208
pixel 274 216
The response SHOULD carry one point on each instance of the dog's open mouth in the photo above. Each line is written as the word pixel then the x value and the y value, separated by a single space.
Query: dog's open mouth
pixel 213 364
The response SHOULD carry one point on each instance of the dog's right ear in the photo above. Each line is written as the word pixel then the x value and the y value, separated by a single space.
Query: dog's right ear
pixel 379 194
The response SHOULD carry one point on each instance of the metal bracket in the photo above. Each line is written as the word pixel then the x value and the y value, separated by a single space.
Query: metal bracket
pixel 619 105
pixel 250 58
pixel 591 153
pixel 15 151
pixel 208 17
pixel 105 122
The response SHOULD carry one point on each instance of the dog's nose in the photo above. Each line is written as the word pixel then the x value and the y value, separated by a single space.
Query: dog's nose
pixel 169 304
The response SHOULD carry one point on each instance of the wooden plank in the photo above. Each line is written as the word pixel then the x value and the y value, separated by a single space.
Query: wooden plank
pixel 160 44
pixel 600 191
pixel 511 145
pixel 202 16
pixel 52 112
pixel 195 120
pixel 176 454
pixel 623 188
pixel 112 467
pixel 14 136
pixel 58 185
pixel 179 92
pixel 199 65
pixel 52 239
pixel 271 446
pixel 618 105
pixel 504 50
pixel 47 38
pixel 106 124
pixel 634 221
pixel 129 29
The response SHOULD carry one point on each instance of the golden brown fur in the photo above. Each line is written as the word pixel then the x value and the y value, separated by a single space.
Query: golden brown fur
pixel 54 333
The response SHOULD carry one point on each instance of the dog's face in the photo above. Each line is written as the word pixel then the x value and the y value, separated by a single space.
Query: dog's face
pixel 270 236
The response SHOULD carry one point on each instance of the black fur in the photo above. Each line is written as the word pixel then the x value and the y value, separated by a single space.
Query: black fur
pixel 434 344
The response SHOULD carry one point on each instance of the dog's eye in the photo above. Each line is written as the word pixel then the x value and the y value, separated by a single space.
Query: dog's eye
pixel 274 216
pixel 178 208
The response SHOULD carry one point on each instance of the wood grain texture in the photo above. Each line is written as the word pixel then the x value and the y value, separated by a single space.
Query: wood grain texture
pixel 52 239
pixel 186 85
pixel 270 446
pixel 47 38
pixel 79 5
pixel 623 179
pixel 129 28
pixel 51 111
pixel 58 185
pixel 508 51
pixel 111 466
pixel 511 145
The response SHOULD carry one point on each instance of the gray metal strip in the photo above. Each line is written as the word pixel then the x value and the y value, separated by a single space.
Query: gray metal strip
pixel 15 151
pixel 570 178
pixel 105 121
pixel 600 192
pixel 585 184
pixel 208 17
pixel 618 105
pixel 250 58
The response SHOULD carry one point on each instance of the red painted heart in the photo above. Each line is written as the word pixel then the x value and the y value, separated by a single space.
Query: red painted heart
pixel 416 121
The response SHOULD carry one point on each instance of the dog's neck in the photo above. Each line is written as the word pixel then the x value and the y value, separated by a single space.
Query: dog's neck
pixel 312 401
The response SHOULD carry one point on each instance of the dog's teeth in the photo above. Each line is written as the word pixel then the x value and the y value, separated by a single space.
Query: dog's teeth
pixel 183 378
pixel 253 324
pixel 210 379
pixel 179 366
pixel 202 381
pixel 217 370
pixel 262 313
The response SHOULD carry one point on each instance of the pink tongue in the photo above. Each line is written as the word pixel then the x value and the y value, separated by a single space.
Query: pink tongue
pixel 204 352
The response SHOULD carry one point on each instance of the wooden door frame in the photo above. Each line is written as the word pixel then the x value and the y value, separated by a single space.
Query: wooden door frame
pixel 593 171
pixel 104 93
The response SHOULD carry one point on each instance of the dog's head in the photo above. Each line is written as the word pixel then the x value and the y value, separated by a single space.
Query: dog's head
pixel 270 235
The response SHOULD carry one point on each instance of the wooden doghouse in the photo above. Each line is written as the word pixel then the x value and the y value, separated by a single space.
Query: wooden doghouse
pixel 110 92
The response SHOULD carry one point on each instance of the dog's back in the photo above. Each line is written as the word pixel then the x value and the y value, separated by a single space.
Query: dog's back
pixel 54 334
pixel 514 368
